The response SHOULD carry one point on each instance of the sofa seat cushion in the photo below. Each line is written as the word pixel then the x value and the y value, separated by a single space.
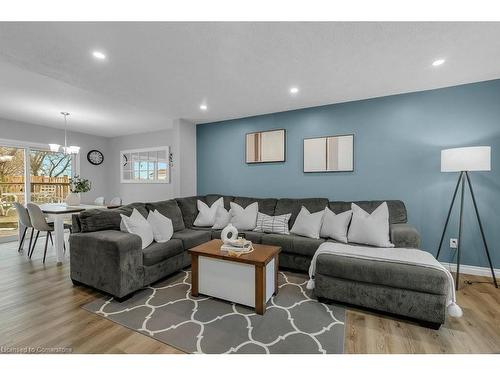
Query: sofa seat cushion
pixel 293 244
pixel 255 237
pixel 293 206
pixel 170 209
pixel 203 229
pixel 396 275
pixel 157 252
pixel 191 237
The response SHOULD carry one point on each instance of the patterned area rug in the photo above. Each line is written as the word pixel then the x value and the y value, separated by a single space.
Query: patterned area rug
pixel 294 321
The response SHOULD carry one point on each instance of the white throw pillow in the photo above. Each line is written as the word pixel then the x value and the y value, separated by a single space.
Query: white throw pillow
pixel 222 218
pixel 335 225
pixel 161 225
pixel 206 215
pixel 307 224
pixel 244 218
pixel 136 216
pixel 370 229
pixel 272 224
pixel 137 224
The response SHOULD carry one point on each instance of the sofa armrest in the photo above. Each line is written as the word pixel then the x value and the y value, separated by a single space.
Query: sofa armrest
pixel 404 235
pixel 108 260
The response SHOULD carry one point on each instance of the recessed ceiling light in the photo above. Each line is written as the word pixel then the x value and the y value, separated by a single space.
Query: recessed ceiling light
pixel 203 107
pixel 294 90
pixel 438 62
pixel 99 55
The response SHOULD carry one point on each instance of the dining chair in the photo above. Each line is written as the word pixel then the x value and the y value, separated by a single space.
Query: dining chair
pixel 24 220
pixel 116 201
pixel 40 224
pixel 99 201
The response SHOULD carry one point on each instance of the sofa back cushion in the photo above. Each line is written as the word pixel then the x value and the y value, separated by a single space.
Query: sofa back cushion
pixel 189 207
pixel 211 198
pixel 397 209
pixel 266 205
pixel 100 219
pixel 170 209
pixel 293 206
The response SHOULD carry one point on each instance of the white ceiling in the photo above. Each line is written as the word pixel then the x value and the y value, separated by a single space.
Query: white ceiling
pixel 157 72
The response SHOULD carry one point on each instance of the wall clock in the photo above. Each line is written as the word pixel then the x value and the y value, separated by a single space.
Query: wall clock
pixel 95 157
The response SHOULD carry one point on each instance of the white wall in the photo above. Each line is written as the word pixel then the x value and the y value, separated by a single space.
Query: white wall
pixel 181 137
pixel 186 160
pixel 20 131
pixel 138 192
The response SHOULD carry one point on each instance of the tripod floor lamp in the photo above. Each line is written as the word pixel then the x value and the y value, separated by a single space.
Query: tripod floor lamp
pixel 465 160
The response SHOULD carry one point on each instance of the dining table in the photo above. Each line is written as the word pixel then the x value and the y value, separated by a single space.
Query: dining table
pixel 58 212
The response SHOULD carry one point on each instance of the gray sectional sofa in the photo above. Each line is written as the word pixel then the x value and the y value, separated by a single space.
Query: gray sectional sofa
pixel 112 261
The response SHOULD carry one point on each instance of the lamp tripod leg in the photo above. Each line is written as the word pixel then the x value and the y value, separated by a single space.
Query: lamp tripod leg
pixel 461 224
pixel 481 230
pixel 449 214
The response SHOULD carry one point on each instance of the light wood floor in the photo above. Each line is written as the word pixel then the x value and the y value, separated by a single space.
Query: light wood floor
pixel 39 307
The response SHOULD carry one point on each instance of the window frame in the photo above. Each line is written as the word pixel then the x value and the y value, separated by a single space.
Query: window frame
pixel 167 180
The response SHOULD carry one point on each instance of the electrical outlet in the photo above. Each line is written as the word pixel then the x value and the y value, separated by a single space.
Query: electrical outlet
pixel 453 243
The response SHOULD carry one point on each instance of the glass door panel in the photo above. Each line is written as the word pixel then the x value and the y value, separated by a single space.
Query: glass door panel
pixel 49 176
pixel 12 166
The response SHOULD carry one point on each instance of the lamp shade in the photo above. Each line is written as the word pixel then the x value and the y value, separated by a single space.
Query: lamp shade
pixel 466 159
pixel 54 147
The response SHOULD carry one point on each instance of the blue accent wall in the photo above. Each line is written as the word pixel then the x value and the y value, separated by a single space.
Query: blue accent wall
pixel 397 145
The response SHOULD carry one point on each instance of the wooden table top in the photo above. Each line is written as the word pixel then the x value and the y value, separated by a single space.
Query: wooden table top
pixel 261 255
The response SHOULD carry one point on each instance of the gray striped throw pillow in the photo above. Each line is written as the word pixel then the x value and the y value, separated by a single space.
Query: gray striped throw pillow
pixel 272 224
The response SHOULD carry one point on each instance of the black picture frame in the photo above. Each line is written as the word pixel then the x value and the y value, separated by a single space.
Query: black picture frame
pixel 266 162
pixel 330 136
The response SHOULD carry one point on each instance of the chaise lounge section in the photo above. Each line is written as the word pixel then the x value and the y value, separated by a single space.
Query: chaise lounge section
pixel 412 291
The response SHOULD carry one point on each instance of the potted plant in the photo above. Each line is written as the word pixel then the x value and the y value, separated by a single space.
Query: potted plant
pixel 77 185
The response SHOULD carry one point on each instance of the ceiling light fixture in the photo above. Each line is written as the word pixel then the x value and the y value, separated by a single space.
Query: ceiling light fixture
pixel 203 107
pixel 438 62
pixel 99 55
pixel 294 90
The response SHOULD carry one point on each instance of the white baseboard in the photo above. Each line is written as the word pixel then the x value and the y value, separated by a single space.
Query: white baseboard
pixel 471 270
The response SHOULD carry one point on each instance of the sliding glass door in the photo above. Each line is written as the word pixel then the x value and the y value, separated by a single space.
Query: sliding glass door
pixel 32 174
pixel 12 188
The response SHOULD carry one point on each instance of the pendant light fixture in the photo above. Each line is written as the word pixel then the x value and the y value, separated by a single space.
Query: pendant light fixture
pixel 68 150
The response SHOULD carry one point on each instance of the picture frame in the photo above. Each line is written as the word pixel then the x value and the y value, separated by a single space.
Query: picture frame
pixel 333 153
pixel 267 146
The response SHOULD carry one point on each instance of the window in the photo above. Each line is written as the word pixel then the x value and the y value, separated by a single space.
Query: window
pixel 147 165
